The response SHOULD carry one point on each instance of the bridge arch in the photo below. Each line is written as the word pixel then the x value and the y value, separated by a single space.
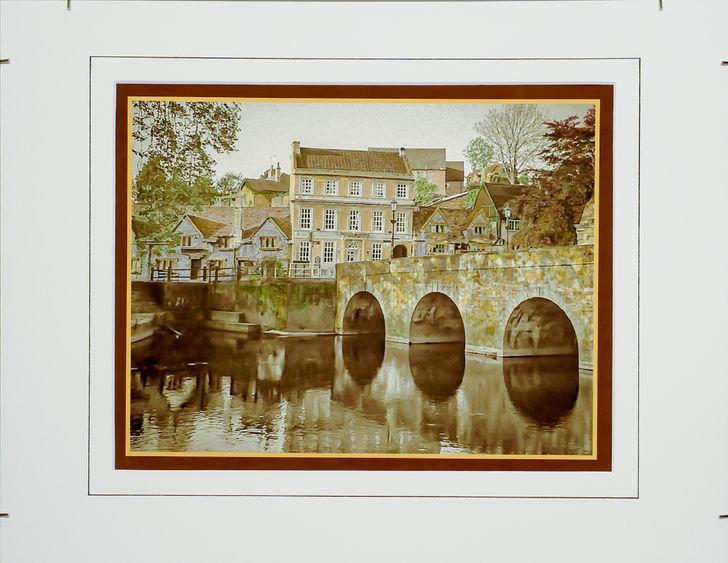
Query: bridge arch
pixel 539 327
pixel 363 315
pixel 436 318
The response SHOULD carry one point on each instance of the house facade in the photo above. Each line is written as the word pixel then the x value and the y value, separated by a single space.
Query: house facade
pixel 270 190
pixel 344 205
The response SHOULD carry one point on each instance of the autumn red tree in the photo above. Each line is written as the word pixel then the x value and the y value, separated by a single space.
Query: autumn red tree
pixel 560 191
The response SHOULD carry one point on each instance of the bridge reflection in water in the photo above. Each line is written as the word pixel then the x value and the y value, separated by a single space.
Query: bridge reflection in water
pixel 217 392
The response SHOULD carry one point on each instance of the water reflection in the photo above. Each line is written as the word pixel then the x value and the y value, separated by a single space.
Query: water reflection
pixel 363 356
pixel 543 389
pixel 437 369
pixel 214 391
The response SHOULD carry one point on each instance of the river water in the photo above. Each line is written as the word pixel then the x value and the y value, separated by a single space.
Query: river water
pixel 213 391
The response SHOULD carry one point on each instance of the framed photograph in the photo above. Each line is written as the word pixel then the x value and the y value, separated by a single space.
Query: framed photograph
pixel 407 277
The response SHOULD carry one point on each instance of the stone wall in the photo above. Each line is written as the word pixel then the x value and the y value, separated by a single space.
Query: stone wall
pixel 486 287
pixel 296 305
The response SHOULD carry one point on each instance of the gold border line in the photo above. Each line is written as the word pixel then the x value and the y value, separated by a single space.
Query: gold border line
pixel 595 324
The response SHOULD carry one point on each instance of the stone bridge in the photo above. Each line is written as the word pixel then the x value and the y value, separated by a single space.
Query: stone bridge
pixel 525 303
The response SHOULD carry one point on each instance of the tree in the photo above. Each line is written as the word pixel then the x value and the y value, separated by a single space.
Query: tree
pixel 516 134
pixel 549 210
pixel 173 148
pixel 229 183
pixel 162 201
pixel 425 192
pixel 478 153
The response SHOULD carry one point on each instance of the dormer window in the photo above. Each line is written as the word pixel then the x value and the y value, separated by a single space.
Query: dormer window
pixel 438 228
pixel 223 242
pixel 479 230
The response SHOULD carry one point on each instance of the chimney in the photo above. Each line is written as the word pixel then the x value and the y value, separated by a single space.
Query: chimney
pixel 402 151
pixel 278 172
pixel 271 172
pixel 296 148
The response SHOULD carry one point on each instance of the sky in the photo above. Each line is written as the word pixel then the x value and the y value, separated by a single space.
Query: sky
pixel 268 128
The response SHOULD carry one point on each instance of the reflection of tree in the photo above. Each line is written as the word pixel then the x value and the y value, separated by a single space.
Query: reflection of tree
pixel 542 389
pixel 437 369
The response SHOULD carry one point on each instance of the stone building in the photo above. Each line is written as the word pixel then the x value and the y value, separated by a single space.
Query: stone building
pixel 344 204
pixel 267 244
pixel 585 227
pixel 270 190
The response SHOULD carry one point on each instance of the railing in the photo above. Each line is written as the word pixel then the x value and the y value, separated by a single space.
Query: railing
pixel 303 270
pixel 206 274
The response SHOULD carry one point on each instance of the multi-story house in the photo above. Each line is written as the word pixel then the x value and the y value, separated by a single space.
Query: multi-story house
pixel 432 165
pixel 449 225
pixel 266 239
pixel 270 190
pixel 348 206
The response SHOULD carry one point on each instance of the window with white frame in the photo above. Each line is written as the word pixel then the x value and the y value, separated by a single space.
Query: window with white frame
pixel 438 249
pixel 304 220
pixel 354 220
pixel 376 251
pixel 306 186
pixel 330 219
pixel 331 187
pixel 329 251
pixel 512 224
pixel 438 228
pixel 378 189
pixel 401 225
pixel 352 252
pixel 378 221
pixel 401 191
pixel 304 251
pixel 355 187
pixel 269 243
pixel 479 230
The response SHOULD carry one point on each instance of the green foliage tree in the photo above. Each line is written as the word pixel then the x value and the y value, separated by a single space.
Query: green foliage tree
pixel 549 210
pixel 163 200
pixel 173 148
pixel 425 192
pixel 478 153
pixel 229 183
pixel 470 198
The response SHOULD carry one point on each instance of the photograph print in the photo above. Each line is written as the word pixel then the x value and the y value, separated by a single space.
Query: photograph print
pixel 363 277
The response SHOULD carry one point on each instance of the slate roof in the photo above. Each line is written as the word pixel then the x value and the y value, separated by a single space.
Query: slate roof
pixel 419 159
pixel 207 227
pixel 345 160
pixel 265 185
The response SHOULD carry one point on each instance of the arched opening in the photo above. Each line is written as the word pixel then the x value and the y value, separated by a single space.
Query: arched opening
pixel 542 390
pixel 436 319
pixel 539 327
pixel 363 315
pixel 400 251
pixel 437 369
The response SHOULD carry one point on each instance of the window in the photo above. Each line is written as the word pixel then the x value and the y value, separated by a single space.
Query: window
pixel 268 243
pixel 331 187
pixel 401 225
pixel 377 251
pixel 136 265
pixel 512 224
pixel 353 220
pixel 330 219
pixel 355 188
pixel 223 242
pixel 186 240
pixel 352 252
pixel 401 191
pixel 378 221
pixel 306 186
pixel 479 230
pixel 378 189
pixel 304 220
pixel 438 249
pixel 438 228
pixel 329 250
pixel 304 251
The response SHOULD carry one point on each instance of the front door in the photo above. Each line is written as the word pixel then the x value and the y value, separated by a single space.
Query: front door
pixel 195 265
